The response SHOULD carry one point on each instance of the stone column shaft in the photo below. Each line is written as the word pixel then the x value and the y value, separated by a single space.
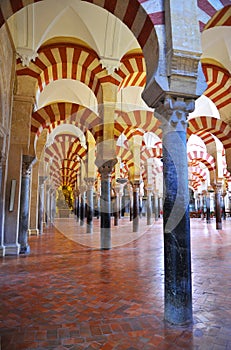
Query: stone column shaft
pixel 41 203
pixel 82 208
pixel 90 204
pixel 24 205
pixel 135 221
pixel 218 189
pixel 149 207
pixel 105 169
pixel 177 251
pixel 208 208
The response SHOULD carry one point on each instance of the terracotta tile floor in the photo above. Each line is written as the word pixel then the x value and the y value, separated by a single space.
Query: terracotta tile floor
pixel 67 295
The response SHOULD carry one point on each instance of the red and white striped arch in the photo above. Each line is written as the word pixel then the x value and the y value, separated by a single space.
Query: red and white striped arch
pixel 125 122
pixel 130 12
pixel 201 126
pixel 147 153
pixel 199 156
pixel 76 149
pixel 64 61
pixel 200 173
pixel 54 114
pixel 213 13
pixel 63 171
pixel 219 85
pixel 194 181
pixel 132 71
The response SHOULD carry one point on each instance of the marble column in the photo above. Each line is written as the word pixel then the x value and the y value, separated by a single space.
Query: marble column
pixel 82 212
pixel 135 217
pixel 98 205
pixel 223 205
pixel 149 206
pixel 105 203
pixel 41 203
pixel 117 205
pixel 90 203
pixel 48 206
pixel 208 208
pixel 24 205
pixel 176 222
pixel 156 206
pixel 34 199
pixel 77 204
pixel 218 190
pixel 119 190
pixel 131 203
pixel 52 205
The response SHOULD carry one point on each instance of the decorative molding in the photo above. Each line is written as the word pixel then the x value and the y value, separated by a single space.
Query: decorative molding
pixel 173 112
pixel 110 64
pixel 182 63
pixel 26 56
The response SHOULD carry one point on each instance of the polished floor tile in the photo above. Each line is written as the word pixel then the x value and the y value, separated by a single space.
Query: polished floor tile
pixel 68 294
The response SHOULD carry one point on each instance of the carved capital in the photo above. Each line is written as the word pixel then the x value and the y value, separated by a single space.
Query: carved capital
pixel 90 181
pixel 135 185
pixel 42 179
pixel 217 188
pixel 106 167
pixel 27 163
pixel 82 189
pixel 173 112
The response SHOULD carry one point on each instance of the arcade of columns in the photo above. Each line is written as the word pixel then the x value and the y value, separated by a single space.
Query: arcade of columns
pixel 67 149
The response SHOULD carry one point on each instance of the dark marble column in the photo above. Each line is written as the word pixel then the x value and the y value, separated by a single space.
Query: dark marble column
pixel 52 205
pixel 77 203
pixel 116 207
pixel 149 206
pixel 208 208
pixel 218 190
pixel 42 180
pixel 105 203
pixel 119 189
pixel 24 205
pixel 177 252
pixel 223 205
pixel 82 212
pixel 48 206
pixel 156 206
pixel 135 217
pixel 90 204
pixel 131 203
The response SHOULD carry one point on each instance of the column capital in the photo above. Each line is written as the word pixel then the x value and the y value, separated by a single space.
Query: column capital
pixel 135 185
pixel 90 181
pixel 217 187
pixel 82 189
pixel 27 162
pixel 105 167
pixel 173 112
pixel 42 179
pixel 149 188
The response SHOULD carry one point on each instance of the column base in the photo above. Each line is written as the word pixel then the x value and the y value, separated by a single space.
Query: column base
pixel 2 250
pixel 12 249
pixel 89 229
pixel 33 232
pixel 25 250
pixel 219 225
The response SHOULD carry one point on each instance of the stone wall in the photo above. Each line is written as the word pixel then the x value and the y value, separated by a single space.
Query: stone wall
pixel 7 79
